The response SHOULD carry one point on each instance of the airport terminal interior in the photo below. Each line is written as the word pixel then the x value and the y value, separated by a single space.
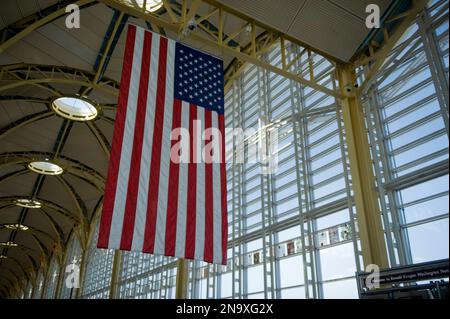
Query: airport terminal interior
pixel 357 90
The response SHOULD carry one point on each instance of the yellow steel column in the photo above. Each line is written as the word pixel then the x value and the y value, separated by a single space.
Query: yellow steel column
pixel 115 274
pixel 182 278
pixel 371 233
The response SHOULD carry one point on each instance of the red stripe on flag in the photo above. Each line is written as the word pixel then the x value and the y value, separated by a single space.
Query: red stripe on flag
pixel 209 203
pixel 116 148
pixel 223 188
pixel 133 179
pixel 192 187
pixel 153 189
pixel 172 201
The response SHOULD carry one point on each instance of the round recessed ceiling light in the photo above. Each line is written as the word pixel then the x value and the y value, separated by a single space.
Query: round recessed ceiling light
pixel 150 5
pixel 74 108
pixel 28 203
pixel 45 167
pixel 16 227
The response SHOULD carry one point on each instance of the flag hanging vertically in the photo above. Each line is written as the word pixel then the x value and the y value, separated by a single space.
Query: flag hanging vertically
pixel 153 203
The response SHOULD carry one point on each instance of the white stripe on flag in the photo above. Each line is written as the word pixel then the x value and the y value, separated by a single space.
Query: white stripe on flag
pixel 180 242
pixel 165 152
pixel 217 199
pixel 200 198
pixel 127 144
pixel 141 207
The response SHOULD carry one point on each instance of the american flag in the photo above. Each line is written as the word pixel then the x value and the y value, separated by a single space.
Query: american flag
pixel 153 204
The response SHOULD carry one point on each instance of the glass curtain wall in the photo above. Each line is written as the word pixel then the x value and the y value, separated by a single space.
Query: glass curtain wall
pixel 29 289
pixel 37 291
pixel 407 117
pixel 144 276
pixel 292 233
pixel 51 280
pixel 98 269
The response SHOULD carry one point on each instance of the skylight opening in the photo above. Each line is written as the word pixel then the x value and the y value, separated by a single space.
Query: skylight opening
pixel 74 108
pixel 28 203
pixel 16 227
pixel 45 167
pixel 9 244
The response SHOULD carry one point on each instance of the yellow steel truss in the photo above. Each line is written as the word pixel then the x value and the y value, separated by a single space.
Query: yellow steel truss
pixel 251 53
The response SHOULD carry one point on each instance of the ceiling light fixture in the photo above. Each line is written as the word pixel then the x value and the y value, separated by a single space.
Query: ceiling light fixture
pixel 45 167
pixel 9 244
pixel 74 108
pixel 16 227
pixel 27 203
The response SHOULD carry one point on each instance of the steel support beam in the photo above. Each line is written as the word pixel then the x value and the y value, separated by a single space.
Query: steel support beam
pixel 117 263
pixel 186 15
pixel 182 278
pixel 101 138
pixel 21 98
pixel 24 121
pixel 17 75
pixel 104 55
pixel 73 167
pixel 32 231
pixel 77 200
pixel 39 22
pixel 215 41
pixel 366 198
pixel 377 58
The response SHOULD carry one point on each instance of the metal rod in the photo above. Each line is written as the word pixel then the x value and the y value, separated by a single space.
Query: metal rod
pixel 182 278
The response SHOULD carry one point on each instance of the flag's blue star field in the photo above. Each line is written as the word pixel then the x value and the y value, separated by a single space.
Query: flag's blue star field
pixel 198 78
